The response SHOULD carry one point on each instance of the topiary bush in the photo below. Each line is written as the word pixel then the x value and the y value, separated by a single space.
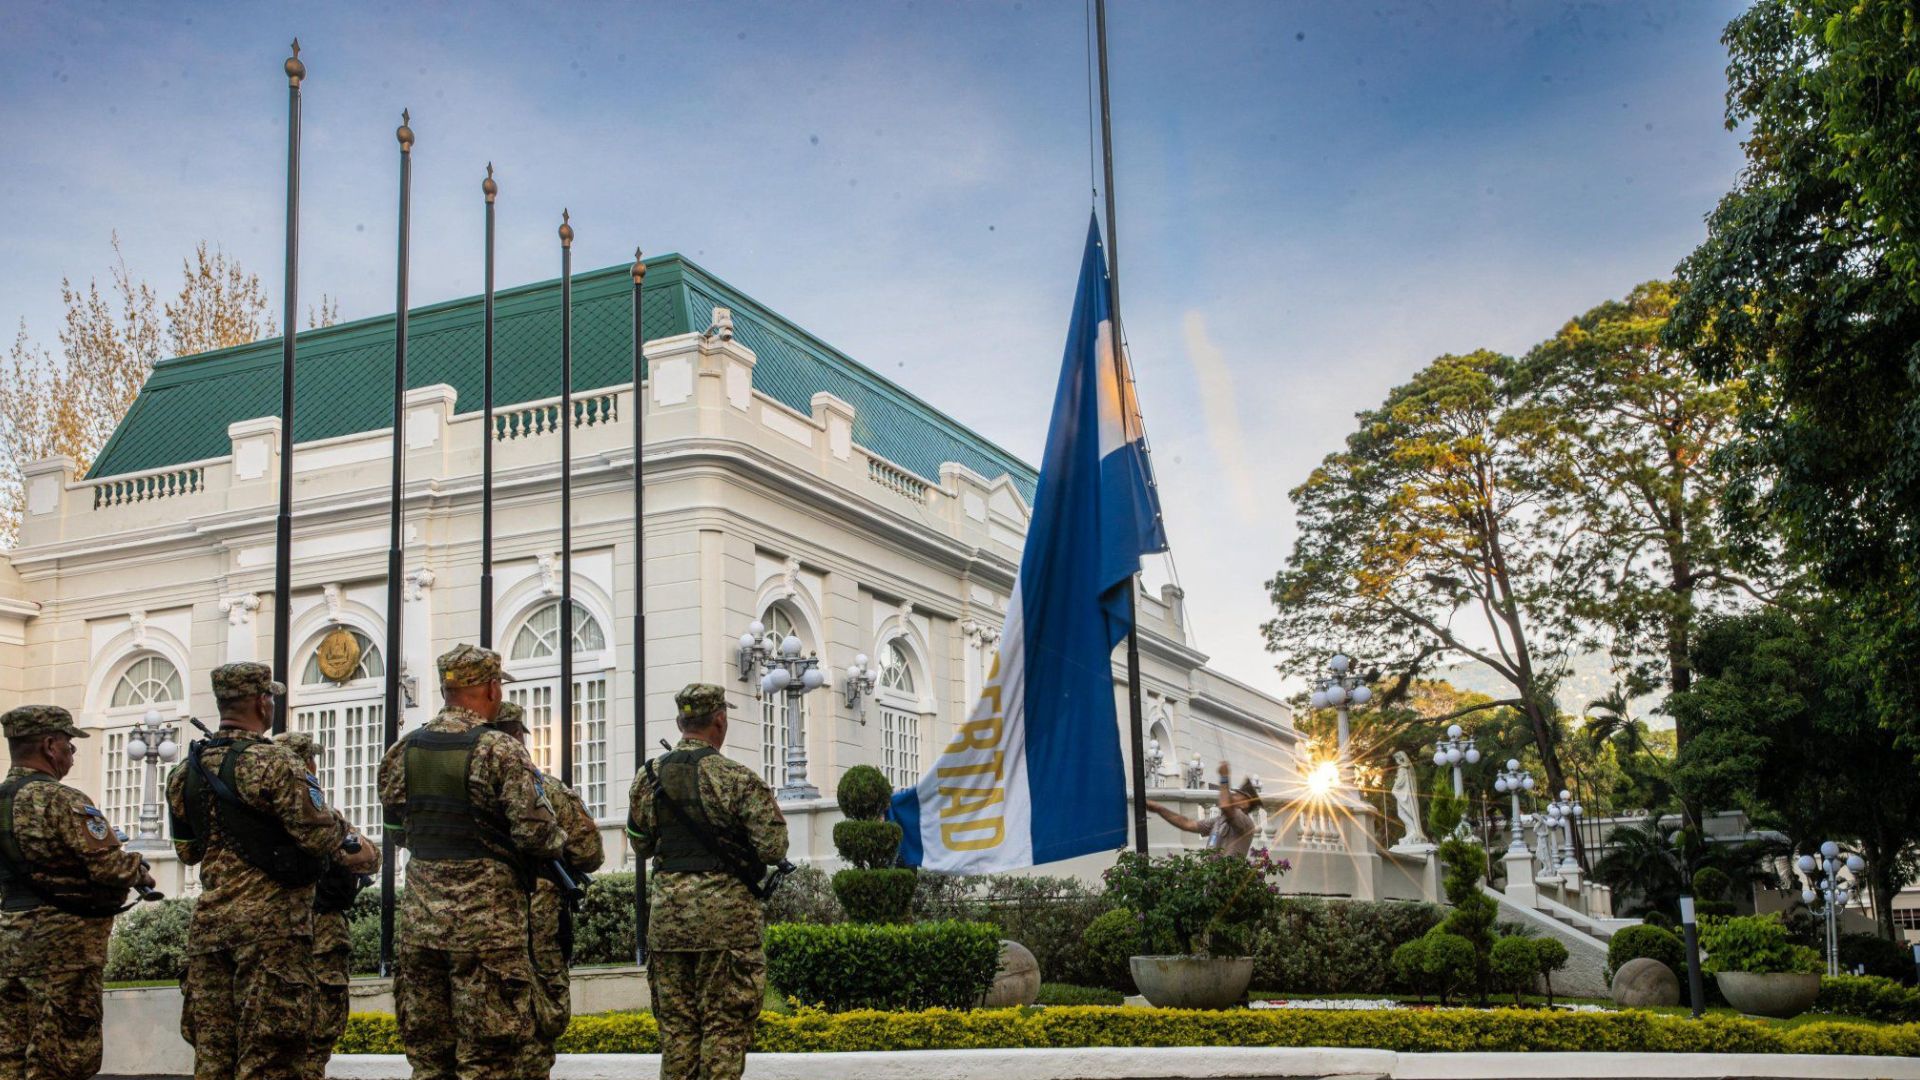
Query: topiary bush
pixel 874 896
pixel 1753 943
pixel 1410 967
pixel 1474 912
pixel 1450 964
pixel 1549 955
pixel 857 966
pixel 1513 965
pixel 863 794
pixel 1634 942
pixel 868 845
pixel 871 890
pixel 1710 887
pixel 1307 945
pixel 150 943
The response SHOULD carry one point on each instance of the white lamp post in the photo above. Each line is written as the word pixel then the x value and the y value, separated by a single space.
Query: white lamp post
pixel 860 681
pixel 1830 892
pixel 1457 747
pixel 1511 781
pixel 1342 689
pixel 1562 814
pixel 150 743
pixel 784 671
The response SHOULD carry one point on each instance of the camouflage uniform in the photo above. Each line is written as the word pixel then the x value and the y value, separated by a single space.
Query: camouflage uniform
pixel 249 988
pixel 706 967
pixel 463 983
pixel 50 961
pixel 332 948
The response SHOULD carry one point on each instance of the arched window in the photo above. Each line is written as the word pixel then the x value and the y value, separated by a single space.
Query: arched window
pixel 150 680
pixel 149 683
pixel 347 719
pixel 534 661
pixel 773 709
pixel 901 717
pixel 539 636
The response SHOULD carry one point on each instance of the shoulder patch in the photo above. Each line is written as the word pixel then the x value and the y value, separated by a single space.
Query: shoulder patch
pixel 318 797
pixel 97 827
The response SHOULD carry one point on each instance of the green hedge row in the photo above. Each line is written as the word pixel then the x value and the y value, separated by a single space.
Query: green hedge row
pixel 1868 997
pixel 1407 1031
pixel 881 966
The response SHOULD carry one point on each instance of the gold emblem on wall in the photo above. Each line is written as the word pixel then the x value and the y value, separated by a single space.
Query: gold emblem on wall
pixel 339 654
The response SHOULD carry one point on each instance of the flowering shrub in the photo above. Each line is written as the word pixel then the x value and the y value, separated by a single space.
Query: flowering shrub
pixel 1204 902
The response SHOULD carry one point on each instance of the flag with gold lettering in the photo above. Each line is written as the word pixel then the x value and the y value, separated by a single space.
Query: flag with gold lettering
pixel 1035 775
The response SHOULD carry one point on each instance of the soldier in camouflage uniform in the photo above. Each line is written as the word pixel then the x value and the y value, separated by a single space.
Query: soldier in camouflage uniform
pixel 64 874
pixel 706 966
pixel 466 803
pixel 332 941
pixel 259 828
pixel 552 991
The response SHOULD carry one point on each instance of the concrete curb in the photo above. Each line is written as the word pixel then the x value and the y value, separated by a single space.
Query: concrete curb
pixel 1217 1063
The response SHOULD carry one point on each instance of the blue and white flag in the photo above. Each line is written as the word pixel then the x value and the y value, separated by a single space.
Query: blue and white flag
pixel 1035 774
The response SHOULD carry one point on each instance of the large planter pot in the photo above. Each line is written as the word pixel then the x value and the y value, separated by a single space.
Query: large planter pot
pixel 1192 982
pixel 1781 995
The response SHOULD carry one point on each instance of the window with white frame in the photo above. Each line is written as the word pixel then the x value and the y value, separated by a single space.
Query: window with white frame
pixel 900 718
pixel 148 683
pixel 347 719
pixel 534 661
pixel 773 710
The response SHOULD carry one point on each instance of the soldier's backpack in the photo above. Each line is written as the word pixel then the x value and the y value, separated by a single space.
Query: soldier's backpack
pixel 24 890
pixel 257 836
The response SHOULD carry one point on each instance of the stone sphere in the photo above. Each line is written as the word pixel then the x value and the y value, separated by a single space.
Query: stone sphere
pixel 1018 981
pixel 1645 981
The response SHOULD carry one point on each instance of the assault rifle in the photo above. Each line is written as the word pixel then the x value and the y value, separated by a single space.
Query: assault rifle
pixel 147 892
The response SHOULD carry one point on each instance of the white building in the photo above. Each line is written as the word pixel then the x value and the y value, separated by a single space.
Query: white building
pixel 784 482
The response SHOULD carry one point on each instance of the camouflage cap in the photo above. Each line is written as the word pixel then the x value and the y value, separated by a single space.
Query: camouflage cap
pixel 244 680
pixel 470 665
pixel 510 717
pixel 30 720
pixel 700 699
pixel 300 743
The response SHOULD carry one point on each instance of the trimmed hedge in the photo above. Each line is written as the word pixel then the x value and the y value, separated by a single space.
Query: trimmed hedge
pixel 868 845
pixel 1868 997
pixel 1312 946
pixel 857 966
pixel 1634 942
pixel 1407 1031
pixel 874 896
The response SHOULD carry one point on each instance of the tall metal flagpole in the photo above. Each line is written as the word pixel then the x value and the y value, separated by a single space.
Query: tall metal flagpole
pixel 566 500
pixel 396 560
pixel 639 601
pixel 283 521
pixel 491 190
pixel 1135 731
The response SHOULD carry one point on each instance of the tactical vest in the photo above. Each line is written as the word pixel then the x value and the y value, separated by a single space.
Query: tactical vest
pixel 21 890
pixel 441 821
pixel 679 850
pixel 256 836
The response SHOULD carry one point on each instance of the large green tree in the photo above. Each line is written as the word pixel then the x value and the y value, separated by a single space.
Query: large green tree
pixel 1783 728
pixel 1806 296
pixel 1433 536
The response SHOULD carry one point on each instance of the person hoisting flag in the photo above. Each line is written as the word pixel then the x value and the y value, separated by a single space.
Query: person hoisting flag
pixel 1046 723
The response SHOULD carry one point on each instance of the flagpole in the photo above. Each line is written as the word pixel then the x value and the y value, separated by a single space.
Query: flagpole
pixel 566 500
pixel 491 190
pixel 639 600
pixel 1135 730
pixel 283 521
pixel 396 564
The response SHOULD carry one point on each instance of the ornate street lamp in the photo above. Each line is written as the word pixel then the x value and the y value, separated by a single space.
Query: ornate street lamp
pixel 784 671
pixel 1829 892
pixel 1342 688
pixel 1511 780
pixel 860 681
pixel 1454 749
pixel 150 743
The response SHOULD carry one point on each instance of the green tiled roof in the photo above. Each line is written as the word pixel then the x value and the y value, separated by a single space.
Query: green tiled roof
pixel 344 377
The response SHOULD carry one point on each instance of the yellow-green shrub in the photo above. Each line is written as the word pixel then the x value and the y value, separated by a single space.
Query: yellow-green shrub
pixel 1409 1031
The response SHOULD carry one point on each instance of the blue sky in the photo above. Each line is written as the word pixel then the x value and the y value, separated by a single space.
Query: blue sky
pixel 1315 199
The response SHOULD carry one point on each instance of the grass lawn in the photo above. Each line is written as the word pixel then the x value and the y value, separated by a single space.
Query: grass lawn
pixel 1560 999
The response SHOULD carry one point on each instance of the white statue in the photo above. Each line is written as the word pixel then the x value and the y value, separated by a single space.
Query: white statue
pixel 1406 800
pixel 1156 761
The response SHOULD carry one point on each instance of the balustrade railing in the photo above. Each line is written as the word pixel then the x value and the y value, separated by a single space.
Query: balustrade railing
pixel 898 480
pixel 543 417
pixel 147 487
